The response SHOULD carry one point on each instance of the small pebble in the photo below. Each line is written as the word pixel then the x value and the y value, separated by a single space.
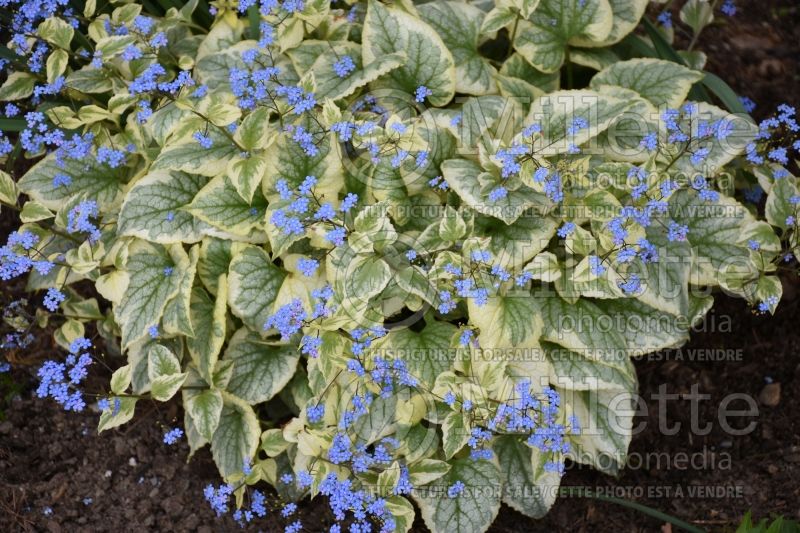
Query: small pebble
pixel 770 395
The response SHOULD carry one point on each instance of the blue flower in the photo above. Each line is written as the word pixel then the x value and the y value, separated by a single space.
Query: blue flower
pixel 728 8
pixel 130 53
pixel 498 193
pixel 421 93
pixel 53 299
pixel 455 489
pixel 308 266
pixel 344 66
pixel 159 40
pixel 349 202
pixel 578 124
pixel 218 497
pixel 630 286
pixel 288 510
pixel 449 398
pixel 110 156
pixel 768 304
pixel 172 436
pixel 288 319
pixel 204 140
pixel 315 413
pixel 78 219
pixel 143 24
pixel 677 232
pixel 649 142
pixel 336 236
pixel 340 449
pixel 596 265
pixel 566 229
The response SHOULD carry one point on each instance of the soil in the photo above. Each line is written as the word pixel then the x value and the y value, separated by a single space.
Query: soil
pixel 57 474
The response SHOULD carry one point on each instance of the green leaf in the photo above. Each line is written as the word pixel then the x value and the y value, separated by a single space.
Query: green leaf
pixel 557 111
pixel 56 65
pixel 627 14
pixel 154 208
pixel 222 113
pixel 579 327
pixel 378 422
pixel 473 510
pixel 187 155
pixel 571 370
pixel 213 69
pixel 255 133
pixel 89 80
pixel 606 422
pixel 365 278
pixel 427 352
pixel 236 437
pixel 176 315
pixel 499 17
pixel 514 245
pixel 246 174
pixel 17 86
pixel 517 67
pixel 429 64
pixel 473 186
pixel 113 45
pixel 660 82
pixel 427 471
pixel 260 369
pixel 57 31
pixel 402 511
pixel 487 117
pixel 779 206
pixel 697 14
pixel 459 26
pixel 90 179
pixel 666 283
pixel 741 131
pixel 161 362
pixel 527 486
pixel 665 51
pixel 286 160
pixel 111 417
pixel 163 388
pixel 456 431
pixel 594 58
pixel 555 24
pixel 254 283
pixel 714 231
pixel 507 321
pixel 209 322
pixel 215 258
pixel 205 409
pixel 220 205
pixel 331 85
pixel 33 211
pixel 149 290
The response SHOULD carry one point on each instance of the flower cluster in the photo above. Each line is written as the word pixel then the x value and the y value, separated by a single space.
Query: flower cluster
pixel 60 381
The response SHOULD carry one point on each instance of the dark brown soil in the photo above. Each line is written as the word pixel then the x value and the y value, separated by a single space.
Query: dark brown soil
pixel 757 52
pixel 53 460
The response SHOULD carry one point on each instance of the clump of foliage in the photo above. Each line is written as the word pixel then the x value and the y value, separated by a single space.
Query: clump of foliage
pixel 383 252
